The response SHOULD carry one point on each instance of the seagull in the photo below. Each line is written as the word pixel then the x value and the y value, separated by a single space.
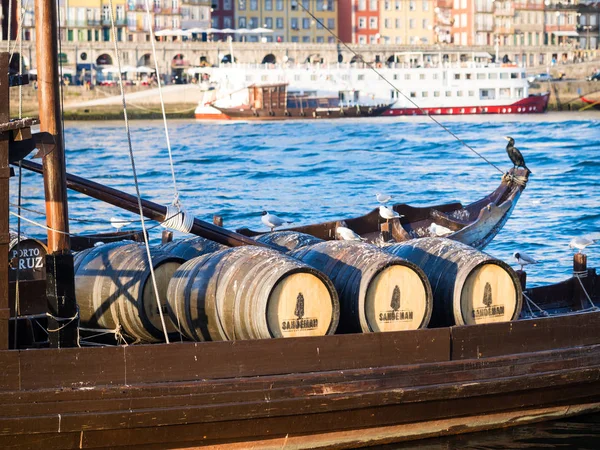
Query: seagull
pixel 383 198
pixel 119 223
pixel 388 213
pixel 514 154
pixel 439 230
pixel 272 221
pixel 523 259
pixel 346 234
pixel 581 242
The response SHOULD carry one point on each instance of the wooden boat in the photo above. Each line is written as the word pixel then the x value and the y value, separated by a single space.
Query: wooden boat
pixel 475 224
pixel 274 102
pixel 592 103
pixel 335 391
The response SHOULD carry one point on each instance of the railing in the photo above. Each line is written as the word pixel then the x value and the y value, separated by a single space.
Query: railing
pixel 504 30
pixel 118 22
pixel 504 12
pixel 445 4
pixel 529 27
pixel 77 23
pixel 529 5
pixel 484 26
pixel 93 22
pixel 561 27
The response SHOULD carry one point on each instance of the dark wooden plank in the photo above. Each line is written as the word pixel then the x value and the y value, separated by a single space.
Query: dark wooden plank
pixel 209 360
pixel 9 372
pixel 72 367
pixel 550 333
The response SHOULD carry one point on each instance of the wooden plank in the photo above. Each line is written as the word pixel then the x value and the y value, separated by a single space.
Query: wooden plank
pixel 4 198
pixel 72 367
pixel 9 374
pixel 209 360
pixel 550 333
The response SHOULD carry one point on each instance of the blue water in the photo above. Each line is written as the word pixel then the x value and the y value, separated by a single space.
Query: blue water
pixel 311 171
pixel 315 171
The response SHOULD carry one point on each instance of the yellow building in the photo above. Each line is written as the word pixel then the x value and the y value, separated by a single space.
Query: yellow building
pixel 289 22
pixel 407 21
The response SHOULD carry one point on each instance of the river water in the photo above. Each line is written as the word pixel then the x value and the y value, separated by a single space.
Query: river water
pixel 311 171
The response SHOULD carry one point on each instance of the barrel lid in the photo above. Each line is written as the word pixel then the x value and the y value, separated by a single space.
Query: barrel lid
pixel 300 304
pixel 397 299
pixel 488 295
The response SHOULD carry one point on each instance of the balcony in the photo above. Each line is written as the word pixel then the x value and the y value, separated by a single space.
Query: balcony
pixel 530 6
pixel 484 26
pixel 504 30
pixel 93 22
pixel 529 27
pixel 445 4
pixel 118 22
pixel 509 12
pixel 561 27
pixel 77 23
pixel 562 7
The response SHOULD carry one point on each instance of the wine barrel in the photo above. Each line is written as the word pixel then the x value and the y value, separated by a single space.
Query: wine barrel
pixel 113 287
pixel 190 247
pixel 469 286
pixel 378 291
pixel 287 241
pixel 28 255
pixel 251 293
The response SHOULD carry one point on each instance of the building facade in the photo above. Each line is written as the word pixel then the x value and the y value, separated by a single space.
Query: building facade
pixel 589 33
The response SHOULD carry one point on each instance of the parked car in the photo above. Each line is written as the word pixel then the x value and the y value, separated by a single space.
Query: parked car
pixel 595 77
pixel 540 77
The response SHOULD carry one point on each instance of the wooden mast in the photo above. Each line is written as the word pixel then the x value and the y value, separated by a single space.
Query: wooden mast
pixel 4 197
pixel 59 264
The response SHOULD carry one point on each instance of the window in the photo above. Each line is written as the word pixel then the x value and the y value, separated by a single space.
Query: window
pixel 425 24
pixel 435 76
pixel 373 39
pixel 360 77
pixel 386 23
pixel 269 5
pixel 320 39
pixel 279 5
pixel 253 22
pixel 362 22
pixel 305 39
pixel 387 5
pixel 398 24
pixel 331 24
pixel 306 23
pixel 373 5
pixel 411 23
pixel 407 76
pixel 294 24
pixel 411 5
pixel 413 95
pixel 457 76
pixel 504 76
pixel 468 76
pixel 481 76
pixel 362 5
pixel 436 93
pixel 425 5
pixel 279 23
pixel 253 5
pixel 471 93
pixel 398 5
pixel 242 22
pixel 493 76
pixel 295 39
pixel 227 5
pixel 269 22
pixel 424 94
pixel 362 39
pixel 242 5
pixel 459 93
pixel 373 23
pixel 421 76
pixel 227 22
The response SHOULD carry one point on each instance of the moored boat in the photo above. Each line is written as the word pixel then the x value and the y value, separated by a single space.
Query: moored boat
pixel 475 224
pixel 591 103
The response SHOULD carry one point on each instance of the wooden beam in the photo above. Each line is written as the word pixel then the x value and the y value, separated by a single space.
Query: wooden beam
pixel 60 279
pixel 4 199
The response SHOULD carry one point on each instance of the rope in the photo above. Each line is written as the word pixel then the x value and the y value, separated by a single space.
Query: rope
pixel 162 105
pixel 178 219
pixel 17 287
pixel 23 9
pixel 576 275
pixel 370 66
pixel 68 320
pixel 118 332
pixel 530 302
pixel 135 178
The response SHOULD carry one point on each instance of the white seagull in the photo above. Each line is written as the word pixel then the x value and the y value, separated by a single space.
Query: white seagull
pixel 523 259
pixel 439 230
pixel 383 198
pixel 272 221
pixel 581 242
pixel 346 234
pixel 119 223
pixel 388 213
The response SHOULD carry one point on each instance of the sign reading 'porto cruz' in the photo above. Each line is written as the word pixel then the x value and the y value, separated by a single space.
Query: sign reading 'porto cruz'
pixel 489 310
pixel 300 322
pixel 396 315
pixel 28 258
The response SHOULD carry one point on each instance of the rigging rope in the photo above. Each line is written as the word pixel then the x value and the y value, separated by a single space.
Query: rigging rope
pixel 370 66
pixel 135 178
pixel 162 104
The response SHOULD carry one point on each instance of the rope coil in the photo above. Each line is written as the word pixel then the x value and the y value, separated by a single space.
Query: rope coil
pixel 68 320
pixel 176 218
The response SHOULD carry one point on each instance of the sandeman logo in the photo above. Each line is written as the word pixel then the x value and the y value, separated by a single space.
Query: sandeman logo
pixel 300 323
pixel 489 310
pixel 395 315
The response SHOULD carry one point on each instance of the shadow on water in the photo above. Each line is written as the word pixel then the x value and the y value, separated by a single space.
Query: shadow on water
pixel 574 433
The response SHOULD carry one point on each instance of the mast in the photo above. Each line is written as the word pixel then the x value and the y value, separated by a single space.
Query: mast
pixel 60 287
pixel 4 197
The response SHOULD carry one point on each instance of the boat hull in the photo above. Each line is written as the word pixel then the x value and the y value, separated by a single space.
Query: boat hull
pixel 591 103
pixel 246 113
pixel 531 105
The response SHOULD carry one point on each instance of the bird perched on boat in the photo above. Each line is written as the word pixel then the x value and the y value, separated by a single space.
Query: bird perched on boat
pixel 514 154
pixel 581 242
pixel 388 213
pixel 119 223
pixel 439 230
pixel 523 259
pixel 346 234
pixel 383 198
pixel 272 221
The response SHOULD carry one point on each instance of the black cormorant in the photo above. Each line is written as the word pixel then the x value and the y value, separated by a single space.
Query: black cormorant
pixel 514 154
